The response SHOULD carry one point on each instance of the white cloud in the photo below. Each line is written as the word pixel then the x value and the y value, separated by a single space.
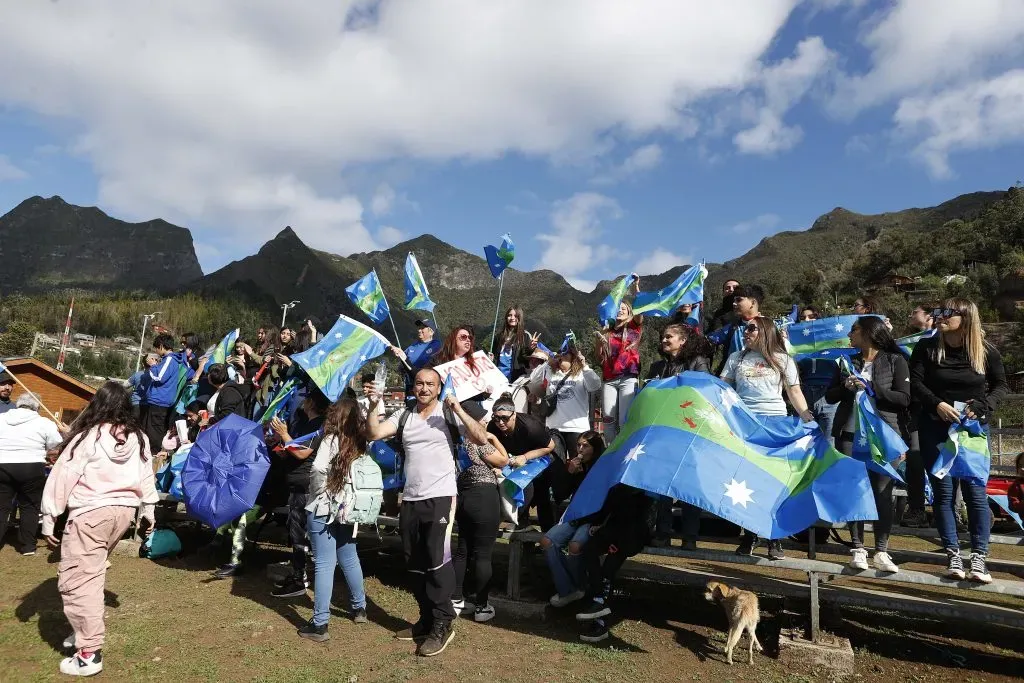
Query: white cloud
pixel 660 260
pixel 261 119
pixel 784 84
pixel 383 200
pixel 8 171
pixel 761 223
pixel 642 159
pixel 389 236
pixel 979 115
pixel 573 247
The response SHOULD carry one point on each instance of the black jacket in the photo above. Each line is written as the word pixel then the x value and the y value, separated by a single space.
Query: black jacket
pixel 625 508
pixel 666 368
pixel 231 400
pixel 955 379
pixel 520 357
pixel 890 380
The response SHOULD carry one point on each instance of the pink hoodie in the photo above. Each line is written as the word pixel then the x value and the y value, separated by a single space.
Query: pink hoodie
pixel 94 472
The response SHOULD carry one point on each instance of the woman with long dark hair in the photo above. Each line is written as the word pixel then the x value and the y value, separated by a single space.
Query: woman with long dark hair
pixel 953 375
pixel 460 343
pixel 884 369
pixel 760 373
pixel 514 344
pixel 333 543
pixel 102 477
pixel 618 349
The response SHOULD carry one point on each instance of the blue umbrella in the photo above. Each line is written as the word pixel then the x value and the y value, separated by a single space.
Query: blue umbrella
pixel 225 470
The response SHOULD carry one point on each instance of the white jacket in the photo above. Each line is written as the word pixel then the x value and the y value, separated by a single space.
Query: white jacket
pixel 26 436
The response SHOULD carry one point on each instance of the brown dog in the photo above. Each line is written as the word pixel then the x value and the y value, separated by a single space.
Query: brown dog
pixel 743 613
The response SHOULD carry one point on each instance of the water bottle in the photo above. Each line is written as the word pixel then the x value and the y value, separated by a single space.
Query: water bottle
pixel 380 378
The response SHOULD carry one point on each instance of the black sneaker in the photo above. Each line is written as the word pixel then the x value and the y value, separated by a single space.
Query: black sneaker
pixel 290 578
pixel 227 571
pixel 311 631
pixel 440 635
pixel 747 544
pixel 595 633
pixel 954 565
pixel 359 616
pixel 417 631
pixel 979 572
pixel 595 610
pixel 775 551
pixel 291 589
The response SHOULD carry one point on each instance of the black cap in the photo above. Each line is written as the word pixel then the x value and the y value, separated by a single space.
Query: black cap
pixel 6 377
pixel 426 322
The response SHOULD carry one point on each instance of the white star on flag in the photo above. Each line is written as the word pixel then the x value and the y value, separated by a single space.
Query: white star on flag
pixel 839 327
pixel 337 335
pixel 807 332
pixel 738 491
pixel 362 357
pixel 804 443
pixel 634 453
pixel 320 352
pixel 862 440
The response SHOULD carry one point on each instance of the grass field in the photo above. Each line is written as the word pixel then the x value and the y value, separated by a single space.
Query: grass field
pixel 170 621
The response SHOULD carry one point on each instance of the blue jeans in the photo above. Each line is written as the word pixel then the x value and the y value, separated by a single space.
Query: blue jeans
pixel 823 411
pixel 932 434
pixel 566 569
pixel 333 545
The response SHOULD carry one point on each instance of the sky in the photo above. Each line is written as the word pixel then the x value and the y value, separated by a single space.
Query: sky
pixel 605 136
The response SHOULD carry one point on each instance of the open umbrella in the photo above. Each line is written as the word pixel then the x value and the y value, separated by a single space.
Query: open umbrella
pixel 225 470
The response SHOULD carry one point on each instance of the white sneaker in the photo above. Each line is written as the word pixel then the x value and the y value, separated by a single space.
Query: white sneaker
pixel 860 559
pixel 461 606
pixel 561 601
pixel 76 665
pixel 883 562
pixel 69 642
pixel 482 614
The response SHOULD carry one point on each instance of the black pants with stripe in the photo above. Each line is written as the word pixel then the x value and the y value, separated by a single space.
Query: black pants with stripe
pixel 426 528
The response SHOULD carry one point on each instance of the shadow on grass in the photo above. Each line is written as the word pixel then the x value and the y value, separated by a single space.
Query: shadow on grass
pixel 44 601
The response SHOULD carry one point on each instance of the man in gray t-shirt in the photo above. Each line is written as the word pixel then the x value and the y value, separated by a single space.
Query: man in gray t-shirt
pixel 428 501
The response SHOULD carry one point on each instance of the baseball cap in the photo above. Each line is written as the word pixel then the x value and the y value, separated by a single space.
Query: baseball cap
pixel 6 377
pixel 426 322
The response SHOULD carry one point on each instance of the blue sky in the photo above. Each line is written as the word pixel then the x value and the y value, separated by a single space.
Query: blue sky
pixel 604 136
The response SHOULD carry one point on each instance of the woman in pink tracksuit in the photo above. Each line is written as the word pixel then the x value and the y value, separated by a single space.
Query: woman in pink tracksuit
pixel 102 476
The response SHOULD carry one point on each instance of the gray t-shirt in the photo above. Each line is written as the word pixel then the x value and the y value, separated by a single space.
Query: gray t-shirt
pixel 758 383
pixel 429 465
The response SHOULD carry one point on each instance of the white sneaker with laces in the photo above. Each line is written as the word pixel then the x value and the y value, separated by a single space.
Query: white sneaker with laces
pixel 883 562
pixel 77 665
pixel 483 614
pixel 461 606
pixel 561 601
pixel 954 565
pixel 978 572
pixel 859 560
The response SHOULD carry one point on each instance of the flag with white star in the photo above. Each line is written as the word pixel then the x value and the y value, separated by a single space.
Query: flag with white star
pixel 816 338
pixel 608 309
pixel 875 442
pixel 335 359
pixel 499 258
pixel 367 294
pixel 416 295
pixel 965 455
pixel 518 478
pixel 690 437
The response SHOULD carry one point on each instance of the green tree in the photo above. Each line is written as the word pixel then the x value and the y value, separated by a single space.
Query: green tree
pixel 17 340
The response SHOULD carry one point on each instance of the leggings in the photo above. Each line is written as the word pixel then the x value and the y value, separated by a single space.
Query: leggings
pixel 478 514
pixel 882 487
pixel 616 397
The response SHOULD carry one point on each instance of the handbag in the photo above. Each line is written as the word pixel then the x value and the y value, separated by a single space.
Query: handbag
pixel 549 403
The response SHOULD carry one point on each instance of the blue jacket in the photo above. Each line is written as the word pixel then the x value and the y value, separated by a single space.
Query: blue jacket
pixel 162 387
pixel 138 382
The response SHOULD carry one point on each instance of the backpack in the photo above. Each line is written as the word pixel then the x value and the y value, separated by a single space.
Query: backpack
pixel 459 454
pixel 363 494
pixel 160 543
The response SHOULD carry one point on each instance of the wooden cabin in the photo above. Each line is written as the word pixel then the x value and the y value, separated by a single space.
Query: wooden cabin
pixel 59 391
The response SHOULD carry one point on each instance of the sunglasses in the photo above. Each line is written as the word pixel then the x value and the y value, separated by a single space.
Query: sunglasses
pixel 945 313
pixel 464 337
pixel 502 418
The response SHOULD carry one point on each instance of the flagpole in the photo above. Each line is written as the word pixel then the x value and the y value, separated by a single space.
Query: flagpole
pixel 394 329
pixel 437 326
pixel 497 309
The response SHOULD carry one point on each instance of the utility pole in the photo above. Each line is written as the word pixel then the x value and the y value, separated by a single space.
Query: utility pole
pixel 284 310
pixel 142 337
pixel 64 339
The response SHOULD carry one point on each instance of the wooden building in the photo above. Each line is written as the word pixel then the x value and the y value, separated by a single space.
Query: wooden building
pixel 59 391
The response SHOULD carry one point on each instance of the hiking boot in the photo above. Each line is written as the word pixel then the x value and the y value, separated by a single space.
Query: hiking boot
pixel 440 635
pixel 859 559
pixel 954 565
pixel 915 519
pixel 291 589
pixel 883 562
pixel 979 572
pixel 563 600
pixel 596 632
pixel 359 616
pixel 80 665
pixel 595 610
pixel 417 631
pixel 483 613
pixel 311 631
pixel 775 551
pixel 227 571
pixel 747 544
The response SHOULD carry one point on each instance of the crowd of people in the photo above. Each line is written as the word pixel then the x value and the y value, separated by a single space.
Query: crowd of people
pixel 454 452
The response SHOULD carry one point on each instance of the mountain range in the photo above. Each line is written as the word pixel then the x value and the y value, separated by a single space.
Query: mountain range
pixel 48 244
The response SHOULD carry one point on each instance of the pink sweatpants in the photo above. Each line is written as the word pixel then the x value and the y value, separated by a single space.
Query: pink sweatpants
pixel 88 539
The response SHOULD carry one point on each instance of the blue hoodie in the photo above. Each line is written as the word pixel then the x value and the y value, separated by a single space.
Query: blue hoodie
pixel 162 388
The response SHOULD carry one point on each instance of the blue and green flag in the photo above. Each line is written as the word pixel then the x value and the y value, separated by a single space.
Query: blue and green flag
pixel 875 443
pixel 608 309
pixel 822 338
pixel 499 258
pixel 518 478
pixel 416 295
pixel 908 343
pixel 688 288
pixel 280 399
pixel 690 437
pixel 366 293
pixel 965 455
pixel 335 359
pixel 224 348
